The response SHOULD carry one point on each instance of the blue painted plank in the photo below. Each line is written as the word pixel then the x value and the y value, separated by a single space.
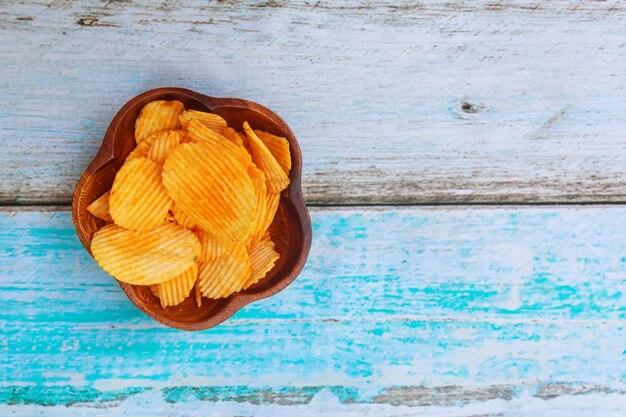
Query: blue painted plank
pixel 482 304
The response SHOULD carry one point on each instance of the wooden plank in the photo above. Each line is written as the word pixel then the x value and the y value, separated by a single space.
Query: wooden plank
pixel 467 101
pixel 457 311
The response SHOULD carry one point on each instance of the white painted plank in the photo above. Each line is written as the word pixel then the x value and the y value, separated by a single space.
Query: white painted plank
pixel 482 311
pixel 373 91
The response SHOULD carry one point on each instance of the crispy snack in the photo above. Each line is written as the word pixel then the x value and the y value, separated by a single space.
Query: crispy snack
pixel 182 218
pixel 212 247
pixel 260 194
pixel 226 274
pixel 145 258
pixel 212 187
pixel 273 200
pixel 263 257
pixel 279 147
pixel 233 136
pixel 200 133
pixel 198 294
pixel 275 177
pixel 143 147
pixel 210 120
pixel 182 134
pixel 173 291
pixel 162 146
pixel 157 116
pixel 138 199
pixel 100 207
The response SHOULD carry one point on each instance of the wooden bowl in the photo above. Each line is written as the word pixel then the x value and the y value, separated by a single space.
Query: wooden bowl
pixel 291 229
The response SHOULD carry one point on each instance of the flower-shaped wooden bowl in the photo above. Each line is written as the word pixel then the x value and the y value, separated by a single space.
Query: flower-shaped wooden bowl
pixel 291 229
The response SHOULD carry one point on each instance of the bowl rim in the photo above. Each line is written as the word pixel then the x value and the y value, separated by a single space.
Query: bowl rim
pixel 293 195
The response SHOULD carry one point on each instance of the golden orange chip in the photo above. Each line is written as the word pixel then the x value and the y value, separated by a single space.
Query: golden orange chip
pixel 100 207
pixel 145 258
pixel 279 147
pixel 154 288
pixel 182 134
pixel 211 246
pixel 263 257
pixel 170 217
pixel 273 200
pixel 275 177
pixel 162 146
pixel 211 187
pixel 143 147
pixel 226 274
pixel 157 116
pixel 260 193
pixel 198 294
pixel 173 291
pixel 182 218
pixel 138 199
pixel 210 120
pixel 200 133
pixel 233 136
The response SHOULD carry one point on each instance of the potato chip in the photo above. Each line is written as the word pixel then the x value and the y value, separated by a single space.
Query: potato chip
pixel 226 274
pixel 145 258
pixel 143 147
pixel 263 257
pixel 273 200
pixel 157 116
pixel 233 136
pixel 100 207
pixel 279 147
pixel 200 133
pixel 275 177
pixel 183 135
pixel 211 187
pixel 138 199
pixel 154 288
pixel 182 218
pixel 173 291
pixel 162 146
pixel 198 294
pixel 210 120
pixel 212 247
pixel 260 193
pixel 170 217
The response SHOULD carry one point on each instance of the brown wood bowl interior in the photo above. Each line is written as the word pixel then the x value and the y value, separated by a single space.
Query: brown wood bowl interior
pixel 291 229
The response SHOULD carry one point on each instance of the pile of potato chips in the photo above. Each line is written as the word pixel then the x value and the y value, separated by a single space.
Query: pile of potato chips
pixel 192 205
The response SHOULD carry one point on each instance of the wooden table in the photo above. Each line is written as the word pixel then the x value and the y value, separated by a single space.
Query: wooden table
pixel 464 167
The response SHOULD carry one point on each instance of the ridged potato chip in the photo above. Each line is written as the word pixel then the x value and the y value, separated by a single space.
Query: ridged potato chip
pixel 173 291
pixel 182 134
pixel 143 147
pixel 233 136
pixel 157 116
pixel 211 246
pixel 260 193
pixel 275 177
pixel 145 258
pixel 279 147
pixel 226 274
pixel 162 146
pixel 138 199
pixel 273 200
pixel 211 187
pixel 263 257
pixel 210 120
pixel 182 218
pixel 100 207
pixel 200 133
pixel 198 293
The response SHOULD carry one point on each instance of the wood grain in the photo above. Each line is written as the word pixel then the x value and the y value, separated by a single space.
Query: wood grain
pixel 464 312
pixel 432 102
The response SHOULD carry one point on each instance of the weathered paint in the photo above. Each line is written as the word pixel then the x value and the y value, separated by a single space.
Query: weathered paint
pixel 467 101
pixel 462 311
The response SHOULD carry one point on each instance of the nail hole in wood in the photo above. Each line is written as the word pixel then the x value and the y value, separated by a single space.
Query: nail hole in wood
pixel 468 107
pixel 87 21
